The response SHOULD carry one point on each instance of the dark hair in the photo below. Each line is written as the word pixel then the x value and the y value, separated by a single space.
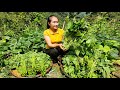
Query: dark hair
pixel 49 20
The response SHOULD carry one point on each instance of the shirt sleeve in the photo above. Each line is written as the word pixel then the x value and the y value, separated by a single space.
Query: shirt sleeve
pixel 45 33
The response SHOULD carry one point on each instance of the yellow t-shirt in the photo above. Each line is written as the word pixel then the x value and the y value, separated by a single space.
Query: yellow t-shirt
pixel 55 37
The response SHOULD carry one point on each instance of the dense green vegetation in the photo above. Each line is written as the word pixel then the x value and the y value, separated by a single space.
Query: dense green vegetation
pixel 93 39
pixel 95 44
pixel 29 64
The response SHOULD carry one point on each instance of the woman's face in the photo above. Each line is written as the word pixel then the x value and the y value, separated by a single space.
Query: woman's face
pixel 54 23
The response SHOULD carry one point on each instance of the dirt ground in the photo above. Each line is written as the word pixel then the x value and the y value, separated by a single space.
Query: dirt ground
pixel 116 74
pixel 55 72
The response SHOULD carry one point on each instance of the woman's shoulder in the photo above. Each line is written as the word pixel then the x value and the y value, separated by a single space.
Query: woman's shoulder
pixel 46 32
pixel 60 29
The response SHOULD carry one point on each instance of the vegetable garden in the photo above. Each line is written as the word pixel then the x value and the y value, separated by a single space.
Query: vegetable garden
pixel 93 40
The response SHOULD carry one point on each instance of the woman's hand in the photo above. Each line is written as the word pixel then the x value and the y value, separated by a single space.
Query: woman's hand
pixel 62 47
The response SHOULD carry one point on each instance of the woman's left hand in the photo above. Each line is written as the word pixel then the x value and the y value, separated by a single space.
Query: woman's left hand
pixel 62 47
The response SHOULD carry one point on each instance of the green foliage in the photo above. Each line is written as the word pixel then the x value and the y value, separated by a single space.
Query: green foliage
pixel 29 64
pixel 21 32
pixel 95 43
pixel 28 40
pixel 93 39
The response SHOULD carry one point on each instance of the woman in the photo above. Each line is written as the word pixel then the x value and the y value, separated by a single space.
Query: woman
pixel 53 37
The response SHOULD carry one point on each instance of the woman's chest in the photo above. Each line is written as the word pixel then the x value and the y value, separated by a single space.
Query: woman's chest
pixel 56 38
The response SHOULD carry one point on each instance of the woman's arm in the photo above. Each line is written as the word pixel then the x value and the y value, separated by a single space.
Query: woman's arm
pixel 48 41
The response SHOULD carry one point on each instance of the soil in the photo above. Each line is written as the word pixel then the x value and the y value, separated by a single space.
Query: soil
pixel 55 72
pixel 116 74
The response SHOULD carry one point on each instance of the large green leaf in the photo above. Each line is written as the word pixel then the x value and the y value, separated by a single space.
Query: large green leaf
pixel 106 48
pixel 89 41
pixel 69 25
pixel 77 52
